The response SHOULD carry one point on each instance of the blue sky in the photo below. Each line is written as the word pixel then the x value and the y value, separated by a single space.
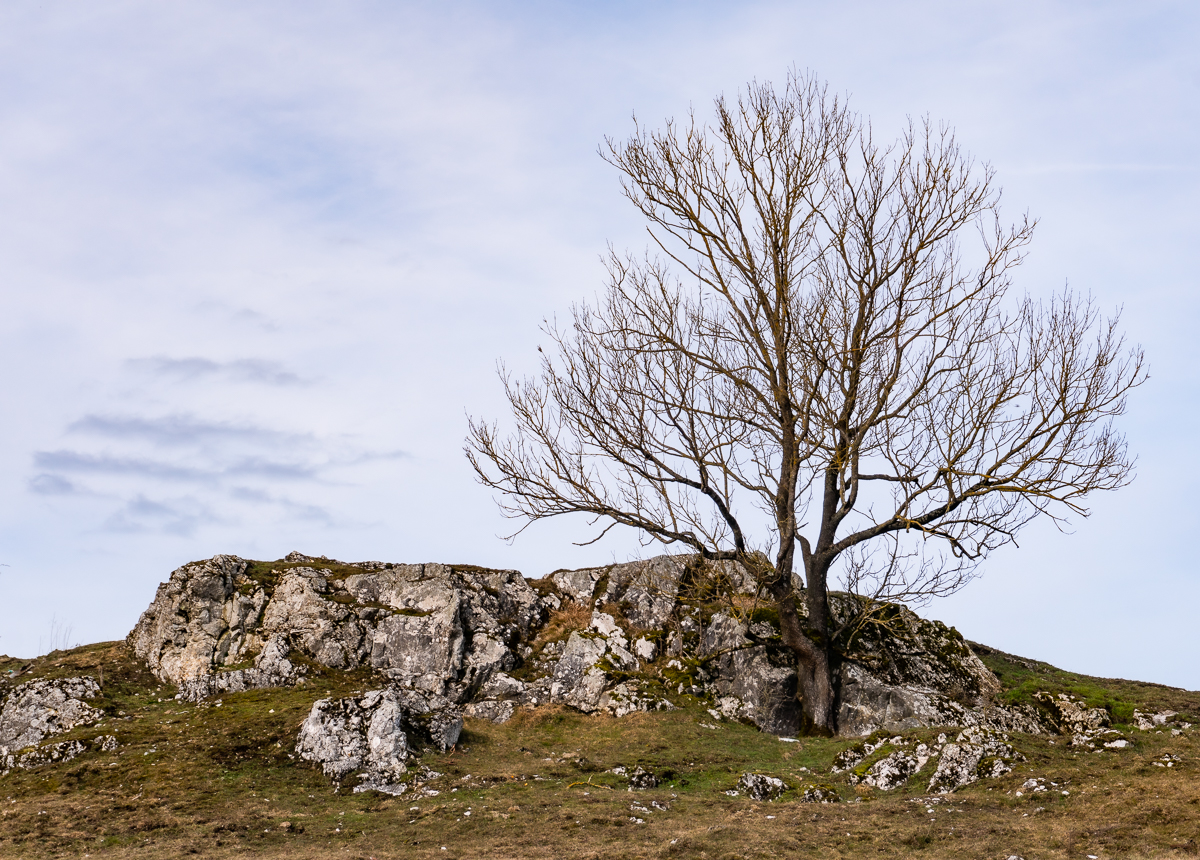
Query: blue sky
pixel 260 260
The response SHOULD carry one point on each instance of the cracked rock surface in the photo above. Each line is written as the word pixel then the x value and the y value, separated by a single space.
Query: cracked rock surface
pixel 433 627
pixel 475 637
pixel 35 710
pixel 376 733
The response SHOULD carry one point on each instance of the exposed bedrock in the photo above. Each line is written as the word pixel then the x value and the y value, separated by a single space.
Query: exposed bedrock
pixel 626 637
pixel 214 627
pixel 35 710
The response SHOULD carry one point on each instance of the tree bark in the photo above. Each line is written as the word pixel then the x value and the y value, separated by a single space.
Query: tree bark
pixel 816 690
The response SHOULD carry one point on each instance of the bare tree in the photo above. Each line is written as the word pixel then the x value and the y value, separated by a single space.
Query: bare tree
pixel 820 357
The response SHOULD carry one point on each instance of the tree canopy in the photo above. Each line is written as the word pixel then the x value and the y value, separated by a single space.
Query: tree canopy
pixel 821 354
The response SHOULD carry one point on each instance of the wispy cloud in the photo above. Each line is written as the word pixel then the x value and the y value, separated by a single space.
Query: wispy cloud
pixel 251 370
pixel 180 516
pixel 297 510
pixel 177 430
pixel 52 485
pixel 80 462
pixel 140 467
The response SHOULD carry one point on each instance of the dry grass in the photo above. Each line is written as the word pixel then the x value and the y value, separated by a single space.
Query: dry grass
pixel 572 616
pixel 217 782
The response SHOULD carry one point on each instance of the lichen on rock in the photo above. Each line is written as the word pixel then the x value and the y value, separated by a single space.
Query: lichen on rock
pixel 975 754
pixel 639 632
pixel 762 787
pixel 38 709
pixel 375 734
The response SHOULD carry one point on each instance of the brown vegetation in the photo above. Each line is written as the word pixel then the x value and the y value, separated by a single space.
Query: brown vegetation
pixel 218 781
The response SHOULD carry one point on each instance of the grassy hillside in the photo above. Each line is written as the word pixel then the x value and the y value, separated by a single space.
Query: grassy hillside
pixel 218 780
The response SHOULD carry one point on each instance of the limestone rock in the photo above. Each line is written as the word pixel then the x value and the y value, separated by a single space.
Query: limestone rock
pixel 905 649
pixel 819 792
pixel 56 753
pixel 492 710
pixel 911 672
pixel 39 709
pixel 868 704
pixel 272 668
pixel 762 787
pixel 745 671
pixel 640 778
pixel 199 620
pixel 1085 726
pixel 40 756
pixel 1149 722
pixel 894 770
pixel 975 754
pixel 645 650
pixel 646 589
pixel 375 734
pixel 577 681
pixel 222 626
pixel 628 697
pixel 439 628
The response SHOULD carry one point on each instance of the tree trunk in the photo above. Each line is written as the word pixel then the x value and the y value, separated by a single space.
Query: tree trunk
pixel 815 688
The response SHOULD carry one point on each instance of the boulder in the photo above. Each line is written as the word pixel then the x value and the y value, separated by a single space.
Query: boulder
pixel 1150 722
pixel 39 709
pixel 745 671
pixel 55 753
pixel 439 628
pixel 40 756
pixel 375 734
pixel 818 792
pixel 641 779
pixel 894 770
pixel 761 787
pixel 630 697
pixel 1071 715
pixel 975 754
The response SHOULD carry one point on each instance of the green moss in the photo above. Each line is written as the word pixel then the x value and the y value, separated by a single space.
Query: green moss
pixel 768 614
pixel 544 586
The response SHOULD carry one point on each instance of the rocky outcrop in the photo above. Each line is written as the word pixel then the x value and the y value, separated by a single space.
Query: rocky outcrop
pixel 907 672
pixel 478 637
pixel 752 680
pixel 39 709
pixel 869 704
pixel 433 627
pixel 1086 727
pixel 975 754
pixel 374 735
pixel 55 753
pixel 888 763
pixel 645 590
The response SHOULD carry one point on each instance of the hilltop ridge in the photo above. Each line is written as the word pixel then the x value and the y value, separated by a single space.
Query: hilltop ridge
pixel 283 693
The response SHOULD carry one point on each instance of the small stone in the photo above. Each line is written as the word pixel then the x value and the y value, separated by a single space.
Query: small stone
pixel 645 650
pixel 641 778
pixel 762 787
